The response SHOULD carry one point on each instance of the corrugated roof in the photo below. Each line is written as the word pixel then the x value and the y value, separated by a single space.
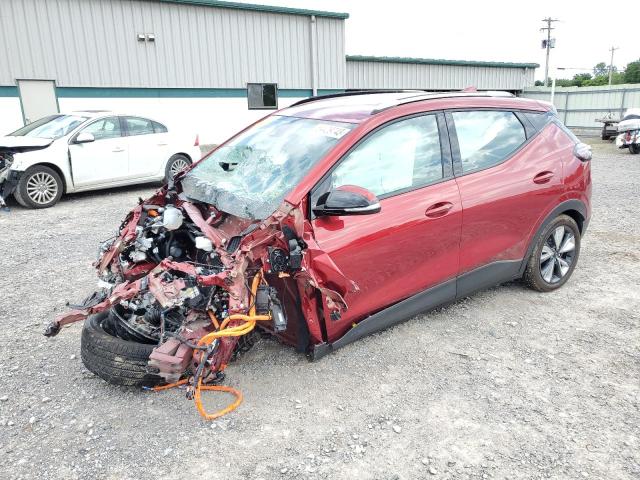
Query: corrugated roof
pixel 437 61
pixel 260 8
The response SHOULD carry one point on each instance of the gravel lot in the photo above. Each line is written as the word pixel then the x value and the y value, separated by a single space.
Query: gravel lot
pixel 506 384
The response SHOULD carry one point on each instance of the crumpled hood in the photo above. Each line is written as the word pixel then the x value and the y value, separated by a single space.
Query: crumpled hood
pixel 13 145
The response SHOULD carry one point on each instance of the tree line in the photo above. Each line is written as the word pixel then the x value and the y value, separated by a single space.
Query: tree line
pixel 600 76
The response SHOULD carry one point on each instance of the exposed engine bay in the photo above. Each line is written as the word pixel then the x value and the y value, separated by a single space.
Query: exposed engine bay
pixel 193 282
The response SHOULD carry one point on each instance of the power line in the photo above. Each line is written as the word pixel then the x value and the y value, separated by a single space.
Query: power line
pixel 547 45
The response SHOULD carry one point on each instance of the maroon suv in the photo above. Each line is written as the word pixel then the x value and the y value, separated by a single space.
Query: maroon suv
pixel 331 219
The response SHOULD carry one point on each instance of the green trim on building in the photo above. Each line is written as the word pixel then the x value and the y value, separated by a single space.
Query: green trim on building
pixel 436 61
pixel 107 92
pixel 261 8
pixel 9 92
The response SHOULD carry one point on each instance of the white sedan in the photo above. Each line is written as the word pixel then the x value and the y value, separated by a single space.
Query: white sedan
pixel 92 150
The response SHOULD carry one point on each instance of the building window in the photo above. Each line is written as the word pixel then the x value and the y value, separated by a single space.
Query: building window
pixel 262 96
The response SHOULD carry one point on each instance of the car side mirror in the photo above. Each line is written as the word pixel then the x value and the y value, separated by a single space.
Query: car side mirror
pixel 347 200
pixel 84 137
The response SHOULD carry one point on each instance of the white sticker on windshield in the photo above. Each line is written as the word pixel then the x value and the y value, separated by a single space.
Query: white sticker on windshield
pixel 332 131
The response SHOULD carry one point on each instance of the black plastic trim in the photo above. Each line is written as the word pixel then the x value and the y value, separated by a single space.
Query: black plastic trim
pixel 487 276
pixel 397 313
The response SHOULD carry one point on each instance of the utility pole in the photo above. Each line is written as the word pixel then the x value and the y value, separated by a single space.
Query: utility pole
pixel 612 49
pixel 547 44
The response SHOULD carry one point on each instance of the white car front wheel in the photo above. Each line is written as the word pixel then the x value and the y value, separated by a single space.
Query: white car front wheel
pixel 39 187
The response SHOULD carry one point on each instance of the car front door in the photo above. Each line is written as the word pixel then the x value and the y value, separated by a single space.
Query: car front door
pixel 508 176
pixel 148 147
pixel 104 160
pixel 411 245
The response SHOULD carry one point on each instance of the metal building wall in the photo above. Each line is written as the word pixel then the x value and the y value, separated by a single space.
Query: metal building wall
pixel 390 75
pixel 92 43
pixel 579 107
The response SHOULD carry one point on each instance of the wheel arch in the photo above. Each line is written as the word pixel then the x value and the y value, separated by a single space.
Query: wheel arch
pixel 576 209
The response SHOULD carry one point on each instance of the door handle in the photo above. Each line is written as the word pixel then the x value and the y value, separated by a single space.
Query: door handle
pixel 439 209
pixel 543 177
pixel 118 150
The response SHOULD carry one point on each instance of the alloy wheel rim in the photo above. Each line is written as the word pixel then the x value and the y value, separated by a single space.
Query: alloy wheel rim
pixel 178 165
pixel 42 188
pixel 557 254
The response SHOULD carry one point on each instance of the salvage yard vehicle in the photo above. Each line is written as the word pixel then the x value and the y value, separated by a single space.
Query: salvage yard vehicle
pixel 90 151
pixel 330 220
pixel 629 131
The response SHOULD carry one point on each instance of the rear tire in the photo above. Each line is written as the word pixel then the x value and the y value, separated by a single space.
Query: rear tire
pixel 113 359
pixel 39 187
pixel 562 252
pixel 175 164
pixel 634 148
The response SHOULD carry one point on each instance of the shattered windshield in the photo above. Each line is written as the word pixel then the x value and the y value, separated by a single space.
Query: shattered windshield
pixel 53 126
pixel 250 176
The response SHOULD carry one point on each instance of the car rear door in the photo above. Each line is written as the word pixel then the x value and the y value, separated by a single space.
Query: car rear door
pixel 148 147
pixel 412 244
pixel 103 161
pixel 509 175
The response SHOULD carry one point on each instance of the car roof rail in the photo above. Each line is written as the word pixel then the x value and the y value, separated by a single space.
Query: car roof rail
pixel 439 95
pixel 349 94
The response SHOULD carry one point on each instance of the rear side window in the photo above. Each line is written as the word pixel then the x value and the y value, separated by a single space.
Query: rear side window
pixel 158 127
pixel 538 119
pixel 138 126
pixel 486 138
pixel 401 156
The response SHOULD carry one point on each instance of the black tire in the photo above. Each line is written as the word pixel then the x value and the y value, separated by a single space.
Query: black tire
pixel 173 161
pixel 113 359
pixel 533 273
pixel 604 134
pixel 30 200
pixel 634 148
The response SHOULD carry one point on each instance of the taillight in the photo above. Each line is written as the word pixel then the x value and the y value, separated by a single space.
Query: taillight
pixel 197 142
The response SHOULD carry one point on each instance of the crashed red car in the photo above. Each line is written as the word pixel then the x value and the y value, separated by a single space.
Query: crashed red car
pixel 332 219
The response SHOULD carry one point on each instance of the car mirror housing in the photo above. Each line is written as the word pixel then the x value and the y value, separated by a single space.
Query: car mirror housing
pixel 84 137
pixel 347 200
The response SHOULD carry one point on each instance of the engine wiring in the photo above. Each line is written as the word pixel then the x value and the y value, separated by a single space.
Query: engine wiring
pixel 207 345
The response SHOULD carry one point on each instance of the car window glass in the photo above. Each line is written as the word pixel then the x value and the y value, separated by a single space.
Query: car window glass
pixel 138 126
pixel 158 127
pixel 486 138
pixel 104 128
pixel 403 155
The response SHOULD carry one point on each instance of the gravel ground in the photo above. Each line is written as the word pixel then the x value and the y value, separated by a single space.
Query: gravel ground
pixel 506 384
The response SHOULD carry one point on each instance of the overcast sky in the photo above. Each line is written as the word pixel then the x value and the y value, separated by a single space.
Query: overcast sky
pixel 486 30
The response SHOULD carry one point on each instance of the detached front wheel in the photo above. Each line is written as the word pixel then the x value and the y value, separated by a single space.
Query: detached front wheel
pixel 634 148
pixel 113 359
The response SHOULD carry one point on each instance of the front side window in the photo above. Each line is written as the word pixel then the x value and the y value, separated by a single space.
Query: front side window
pixel 251 174
pixel 487 137
pixel 401 156
pixel 53 126
pixel 138 126
pixel 262 96
pixel 104 128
